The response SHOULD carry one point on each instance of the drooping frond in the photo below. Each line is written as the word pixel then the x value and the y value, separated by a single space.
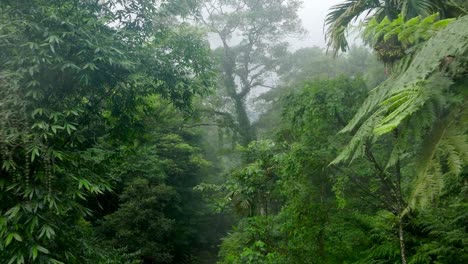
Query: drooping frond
pixel 440 60
pixel 404 102
pixel 356 147
pixel 341 16
pixel 376 96
pixel 426 95
pixel 460 6
pixel 446 144
pixel 427 188
pixel 411 8
pixel 411 84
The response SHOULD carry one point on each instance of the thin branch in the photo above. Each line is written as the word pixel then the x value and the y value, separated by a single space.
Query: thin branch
pixel 381 172
pixel 201 124
pixel 267 86
pixel 401 202
pixel 340 119
pixel 384 201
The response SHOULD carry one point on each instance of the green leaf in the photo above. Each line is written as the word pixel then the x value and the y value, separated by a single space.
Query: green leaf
pixel 17 237
pixel 84 183
pixel 33 252
pixel 442 23
pixel 57 154
pixel 37 111
pixel 389 35
pixel 430 19
pixel 53 39
pixel 46 231
pixel 90 66
pixel 3 222
pixel 412 22
pixel 373 22
pixel 43 249
pixel 13 212
pixel 10 237
pixel 8 165
pixel 69 65
pixel 70 128
pixel 54 128
pixel 34 153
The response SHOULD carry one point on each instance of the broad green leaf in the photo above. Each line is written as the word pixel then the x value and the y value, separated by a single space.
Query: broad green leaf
pixel 412 22
pixel 13 212
pixel 43 249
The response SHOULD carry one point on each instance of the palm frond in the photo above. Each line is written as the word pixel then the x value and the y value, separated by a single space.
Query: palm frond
pixel 459 5
pixel 413 8
pixel 341 16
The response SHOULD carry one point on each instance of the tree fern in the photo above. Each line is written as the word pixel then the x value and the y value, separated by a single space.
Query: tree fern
pixel 425 93
pixel 405 87
pixel 446 145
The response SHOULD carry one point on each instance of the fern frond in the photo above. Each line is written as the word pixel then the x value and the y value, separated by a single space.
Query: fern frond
pixel 426 69
pixel 356 147
pixel 408 32
pixel 418 83
pixel 428 188
pixel 376 96
pixel 426 97
pixel 454 156
pixel 445 143
pixel 405 102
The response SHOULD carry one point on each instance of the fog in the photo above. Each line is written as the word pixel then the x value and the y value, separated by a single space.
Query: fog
pixel 313 14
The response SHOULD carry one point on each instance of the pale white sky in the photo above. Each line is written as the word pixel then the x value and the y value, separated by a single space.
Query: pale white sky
pixel 313 14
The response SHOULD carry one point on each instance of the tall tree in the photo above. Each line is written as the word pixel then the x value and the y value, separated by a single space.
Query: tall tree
pixel 250 32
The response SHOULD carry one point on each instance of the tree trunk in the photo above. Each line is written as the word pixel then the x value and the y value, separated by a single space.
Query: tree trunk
pixel 402 241
pixel 246 130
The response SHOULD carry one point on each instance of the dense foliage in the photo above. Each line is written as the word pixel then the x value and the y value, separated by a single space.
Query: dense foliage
pixel 73 91
pixel 125 139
